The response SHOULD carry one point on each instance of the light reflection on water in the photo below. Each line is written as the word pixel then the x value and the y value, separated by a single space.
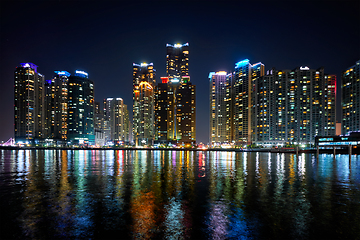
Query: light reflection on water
pixel 178 195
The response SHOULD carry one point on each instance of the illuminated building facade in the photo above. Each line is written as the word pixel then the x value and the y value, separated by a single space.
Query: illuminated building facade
pixel 330 105
pixel 177 60
pixel 28 103
pixel 98 117
pixel 219 108
pixel 56 106
pixel 242 98
pixel 175 111
pixel 161 111
pixel 175 99
pixel 81 109
pixel 294 106
pixel 350 90
pixel 186 112
pixel 143 103
pixel 127 126
pixel 114 112
pixel 99 125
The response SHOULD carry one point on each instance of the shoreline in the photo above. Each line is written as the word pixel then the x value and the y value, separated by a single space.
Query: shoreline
pixel 270 150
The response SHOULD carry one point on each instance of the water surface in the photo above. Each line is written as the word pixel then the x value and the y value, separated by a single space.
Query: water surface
pixel 93 194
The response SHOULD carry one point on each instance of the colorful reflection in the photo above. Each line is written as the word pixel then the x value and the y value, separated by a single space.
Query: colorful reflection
pixel 47 194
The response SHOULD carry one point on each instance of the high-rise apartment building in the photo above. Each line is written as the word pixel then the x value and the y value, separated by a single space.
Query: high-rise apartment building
pixel 330 105
pixel 281 107
pixel 294 106
pixel 81 109
pixel 161 111
pixel 242 88
pixel 177 60
pixel 99 125
pixel 28 103
pixel 175 111
pixel 219 108
pixel 56 106
pixel 127 126
pixel 186 112
pixel 175 99
pixel 114 112
pixel 350 90
pixel 143 103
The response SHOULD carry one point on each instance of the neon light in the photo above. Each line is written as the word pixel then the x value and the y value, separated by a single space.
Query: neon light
pixel 185 79
pixel 164 79
pixel 257 64
pixel 81 73
pixel 146 83
pixel 339 143
pixel 178 45
pixel 221 73
pixel 175 80
pixel 142 64
pixel 325 139
pixel 242 63
pixel 304 68
pixel 29 65
pixel 63 73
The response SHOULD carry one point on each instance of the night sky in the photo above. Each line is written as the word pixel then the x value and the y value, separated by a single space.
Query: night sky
pixel 105 38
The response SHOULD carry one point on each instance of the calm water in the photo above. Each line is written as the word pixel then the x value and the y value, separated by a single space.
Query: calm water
pixel 49 194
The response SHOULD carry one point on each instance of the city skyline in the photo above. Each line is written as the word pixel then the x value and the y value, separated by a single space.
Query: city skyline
pixel 79 42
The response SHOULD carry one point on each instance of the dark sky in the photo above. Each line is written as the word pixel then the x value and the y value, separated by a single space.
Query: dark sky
pixel 104 38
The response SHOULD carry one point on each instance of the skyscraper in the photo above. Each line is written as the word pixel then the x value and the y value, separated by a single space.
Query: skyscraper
pixel 351 98
pixel 56 106
pixel 143 103
pixel 115 115
pixel 219 111
pixel 294 106
pixel 330 105
pixel 161 111
pixel 81 109
pixel 28 103
pixel 242 100
pixel 127 126
pixel 175 99
pixel 177 60
pixel 186 112
pixel 99 125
